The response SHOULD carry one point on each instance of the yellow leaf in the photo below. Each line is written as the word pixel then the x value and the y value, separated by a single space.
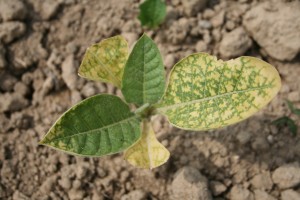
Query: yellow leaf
pixel 105 61
pixel 147 152
pixel 206 93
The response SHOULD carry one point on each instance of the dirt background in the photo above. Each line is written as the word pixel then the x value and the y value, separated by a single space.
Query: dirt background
pixel 41 45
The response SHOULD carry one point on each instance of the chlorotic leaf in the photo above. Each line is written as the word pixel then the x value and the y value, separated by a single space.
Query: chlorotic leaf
pixel 152 13
pixel 97 126
pixel 147 152
pixel 206 93
pixel 105 61
pixel 144 77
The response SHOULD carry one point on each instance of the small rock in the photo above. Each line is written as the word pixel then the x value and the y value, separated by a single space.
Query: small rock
pixel 19 196
pixel 294 96
pixel 205 24
pixel 235 43
pixel 135 194
pixel 11 30
pixel 262 195
pixel 12 10
pixel 169 61
pixel 21 88
pixel 71 48
pixel 244 137
pixel 192 7
pixel 201 46
pixel 283 22
pixel 69 72
pixel 12 102
pixel 260 144
pixel 75 97
pixel 217 187
pixel 7 82
pixel 75 194
pixel 65 183
pixel 218 20
pixel 237 192
pixel 290 195
pixel 189 184
pixel 48 8
pixel 262 181
pixel 287 176
pixel 88 90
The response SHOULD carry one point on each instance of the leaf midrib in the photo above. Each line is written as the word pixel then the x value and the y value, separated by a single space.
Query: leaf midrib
pixel 169 107
pixel 97 129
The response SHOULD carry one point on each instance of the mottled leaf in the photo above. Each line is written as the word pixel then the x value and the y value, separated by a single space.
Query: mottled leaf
pixel 97 126
pixel 147 152
pixel 144 77
pixel 105 61
pixel 206 93
pixel 152 13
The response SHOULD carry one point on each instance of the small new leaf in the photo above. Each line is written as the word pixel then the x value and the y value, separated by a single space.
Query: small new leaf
pixel 294 110
pixel 206 93
pixel 100 125
pixel 286 121
pixel 148 152
pixel 105 61
pixel 144 77
pixel 152 13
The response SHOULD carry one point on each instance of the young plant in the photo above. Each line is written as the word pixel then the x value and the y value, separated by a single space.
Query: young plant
pixel 202 93
pixel 152 13
pixel 287 121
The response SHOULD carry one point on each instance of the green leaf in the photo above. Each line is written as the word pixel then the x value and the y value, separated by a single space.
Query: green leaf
pixel 105 61
pixel 148 152
pixel 144 77
pixel 294 110
pixel 287 121
pixel 97 126
pixel 206 93
pixel 152 13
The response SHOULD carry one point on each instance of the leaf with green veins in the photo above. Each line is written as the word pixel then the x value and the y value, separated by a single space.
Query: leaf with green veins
pixel 97 126
pixel 206 93
pixel 152 13
pixel 105 61
pixel 294 110
pixel 287 121
pixel 148 152
pixel 144 77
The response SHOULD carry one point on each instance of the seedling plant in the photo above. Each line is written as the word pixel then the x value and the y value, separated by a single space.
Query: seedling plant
pixel 201 93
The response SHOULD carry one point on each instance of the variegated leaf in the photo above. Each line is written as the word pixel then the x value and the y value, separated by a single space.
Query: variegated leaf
pixel 105 61
pixel 206 93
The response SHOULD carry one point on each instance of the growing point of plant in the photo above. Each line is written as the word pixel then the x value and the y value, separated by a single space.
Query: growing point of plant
pixel 202 93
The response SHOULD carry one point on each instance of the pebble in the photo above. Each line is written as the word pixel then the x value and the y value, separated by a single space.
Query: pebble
pixel 49 8
pixel 88 90
pixel 244 137
pixel 11 30
pixel 12 10
pixel 12 102
pixel 205 24
pixel 192 7
pixel 262 195
pixel 262 181
pixel 7 82
pixel 218 19
pixel 217 188
pixel 235 43
pixel 290 195
pixel 75 194
pixel 287 176
pixel 201 46
pixel 69 73
pixel 169 61
pixel 237 192
pixel 135 194
pixel 283 30
pixel 190 184
pixel 260 144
